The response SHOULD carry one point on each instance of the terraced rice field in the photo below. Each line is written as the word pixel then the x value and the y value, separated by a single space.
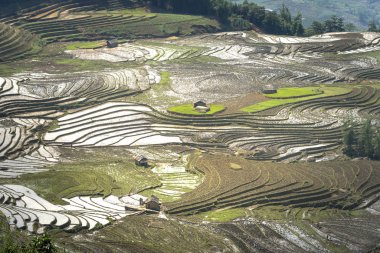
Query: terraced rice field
pixel 269 168
pixel 268 59
pixel 303 131
pixel 15 42
pixel 24 209
pixel 47 96
pixel 72 20
pixel 334 185
pixel 176 180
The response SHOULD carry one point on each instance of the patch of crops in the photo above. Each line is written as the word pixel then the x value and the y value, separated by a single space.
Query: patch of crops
pixel 15 42
pixel 295 92
pixel 188 109
pixel 282 98
pixel 258 184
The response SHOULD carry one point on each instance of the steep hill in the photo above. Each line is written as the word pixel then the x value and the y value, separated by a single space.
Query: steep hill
pixel 357 12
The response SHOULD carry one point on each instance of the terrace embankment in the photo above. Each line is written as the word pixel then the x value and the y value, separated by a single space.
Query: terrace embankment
pixel 232 181
pixel 304 130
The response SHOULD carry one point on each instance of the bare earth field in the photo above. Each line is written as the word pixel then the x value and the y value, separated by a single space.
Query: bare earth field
pixel 264 175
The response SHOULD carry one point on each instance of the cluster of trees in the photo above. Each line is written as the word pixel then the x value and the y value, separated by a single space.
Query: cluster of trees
pixel 362 141
pixel 39 244
pixel 238 16
pixel 333 24
pixel 372 27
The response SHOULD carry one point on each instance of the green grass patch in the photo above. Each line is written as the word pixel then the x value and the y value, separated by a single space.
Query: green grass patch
pixel 165 78
pixel 373 54
pixel 94 174
pixel 327 92
pixel 224 215
pixel 82 64
pixel 157 94
pixel 298 214
pixel 188 109
pixel 7 70
pixel 94 65
pixel 156 25
pixel 131 11
pixel 295 92
pixel 85 45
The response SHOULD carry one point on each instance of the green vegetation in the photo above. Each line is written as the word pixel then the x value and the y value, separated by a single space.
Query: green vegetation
pixel 372 26
pixel 85 45
pixel 327 92
pixel 129 11
pixel 83 65
pixel 295 92
pixel 165 79
pixel 363 141
pixel 188 109
pixel 238 16
pixel 359 12
pixel 333 24
pixel 14 241
pixel 277 213
pixel 8 70
pixel 263 184
pixel 157 91
pixel 373 54
pixel 147 234
pixel 157 25
pixel 17 43
pixel 93 174
pixel 269 104
pixel 224 215
pixel 291 213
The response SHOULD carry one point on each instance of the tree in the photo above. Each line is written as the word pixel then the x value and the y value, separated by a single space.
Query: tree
pixel 349 139
pixel 376 145
pixel 298 28
pixel 272 23
pixel 365 139
pixel 350 27
pixel 317 27
pixel 41 244
pixel 239 23
pixel 286 21
pixel 237 16
pixel 334 24
pixel 221 9
pixel 285 14
pixel 372 27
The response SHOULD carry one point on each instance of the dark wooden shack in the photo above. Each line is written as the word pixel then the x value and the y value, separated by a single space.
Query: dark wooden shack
pixel 269 89
pixel 112 43
pixel 200 103
pixel 153 203
pixel 141 160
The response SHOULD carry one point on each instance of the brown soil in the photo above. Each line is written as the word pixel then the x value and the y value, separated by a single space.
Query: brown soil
pixel 234 105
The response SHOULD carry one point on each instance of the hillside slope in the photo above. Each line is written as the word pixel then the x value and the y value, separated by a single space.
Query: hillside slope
pixel 28 27
pixel 357 12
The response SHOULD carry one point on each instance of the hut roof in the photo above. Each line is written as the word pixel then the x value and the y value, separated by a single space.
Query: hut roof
pixel 112 41
pixel 153 198
pixel 140 158
pixel 200 103
pixel 269 87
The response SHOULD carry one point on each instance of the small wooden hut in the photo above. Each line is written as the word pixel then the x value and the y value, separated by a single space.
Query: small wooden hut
pixel 112 43
pixel 269 89
pixel 141 161
pixel 201 106
pixel 200 103
pixel 153 203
